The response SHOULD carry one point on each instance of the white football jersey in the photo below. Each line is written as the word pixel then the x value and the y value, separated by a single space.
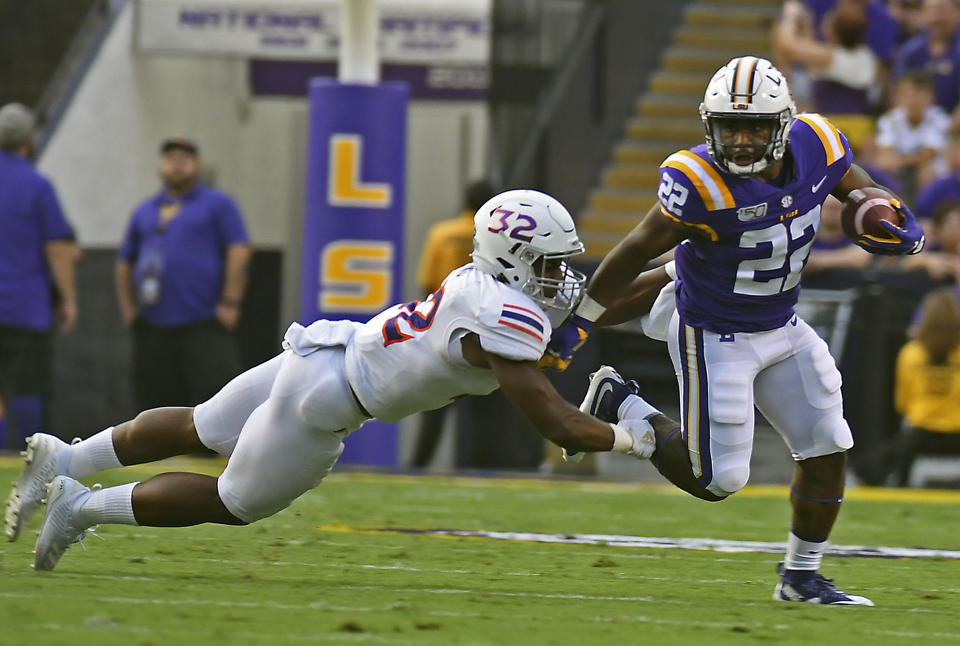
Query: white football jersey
pixel 408 358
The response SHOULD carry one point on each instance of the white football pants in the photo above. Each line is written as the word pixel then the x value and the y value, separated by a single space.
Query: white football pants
pixel 281 423
pixel 787 373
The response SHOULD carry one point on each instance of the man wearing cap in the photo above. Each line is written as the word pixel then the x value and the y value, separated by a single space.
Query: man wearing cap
pixel 180 276
pixel 37 286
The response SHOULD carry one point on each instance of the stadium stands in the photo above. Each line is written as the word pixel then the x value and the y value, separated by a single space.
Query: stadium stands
pixel 666 117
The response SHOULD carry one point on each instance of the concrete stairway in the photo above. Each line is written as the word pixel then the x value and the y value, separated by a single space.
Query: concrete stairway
pixel 667 118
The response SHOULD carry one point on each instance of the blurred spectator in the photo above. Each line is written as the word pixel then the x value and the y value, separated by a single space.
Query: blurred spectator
pixel 181 275
pixel 941 260
pixel 37 282
pixel 449 244
pixel 945 231
pixel 908 14
pixel 882 29
pixel 844 72
pixel 944 187
pixel 834 261
pixel 911 137
pixel 928 384
pixel 866 157
pixel 936 51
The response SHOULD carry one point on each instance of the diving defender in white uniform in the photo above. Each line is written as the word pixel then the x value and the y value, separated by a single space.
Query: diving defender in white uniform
pixel 282 423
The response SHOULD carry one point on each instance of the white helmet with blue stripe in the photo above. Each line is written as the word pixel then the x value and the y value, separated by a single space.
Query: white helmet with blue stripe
pixel 747 88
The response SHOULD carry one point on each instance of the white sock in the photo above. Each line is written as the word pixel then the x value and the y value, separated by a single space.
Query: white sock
pixel 89 456
pixel 635 407
pixel 113 505
pixel 803 555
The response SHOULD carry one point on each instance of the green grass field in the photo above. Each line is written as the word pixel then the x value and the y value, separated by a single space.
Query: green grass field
pixel 315 573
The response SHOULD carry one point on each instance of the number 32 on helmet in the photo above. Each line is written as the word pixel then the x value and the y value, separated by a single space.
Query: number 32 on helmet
pixel 525 238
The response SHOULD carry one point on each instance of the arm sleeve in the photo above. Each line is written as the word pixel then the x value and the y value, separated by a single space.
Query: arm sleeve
pixel 53 222
pixel 230 222
pixel 515 328
pixel 680 198
pixel 130 245
pixel 844 163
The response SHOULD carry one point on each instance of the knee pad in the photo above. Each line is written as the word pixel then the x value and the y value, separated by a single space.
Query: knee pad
pixel 830 435
pixel 729 481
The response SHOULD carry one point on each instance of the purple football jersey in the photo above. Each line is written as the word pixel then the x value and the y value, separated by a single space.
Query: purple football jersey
pixel 744 276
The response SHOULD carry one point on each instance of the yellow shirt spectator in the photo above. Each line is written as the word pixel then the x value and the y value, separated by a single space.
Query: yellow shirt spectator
pixel 928 395
pixel 448 246
pixel 449 243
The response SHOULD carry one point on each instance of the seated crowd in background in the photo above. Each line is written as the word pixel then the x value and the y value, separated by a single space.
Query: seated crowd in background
pixel 887 73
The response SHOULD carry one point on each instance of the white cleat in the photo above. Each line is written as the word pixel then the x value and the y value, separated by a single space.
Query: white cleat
pixel 59 530
pixel 39 468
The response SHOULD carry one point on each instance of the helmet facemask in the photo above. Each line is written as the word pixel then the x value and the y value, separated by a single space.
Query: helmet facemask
pixel 744 145
pixel 554 284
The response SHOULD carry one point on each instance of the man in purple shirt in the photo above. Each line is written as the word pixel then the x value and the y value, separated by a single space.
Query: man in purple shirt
pixel 742 211
pixel 935 50
pixel 181 275
pixel 37 287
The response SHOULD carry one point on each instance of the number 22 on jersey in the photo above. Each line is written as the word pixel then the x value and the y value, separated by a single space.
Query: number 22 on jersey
pixel 789 263
pixel 416 316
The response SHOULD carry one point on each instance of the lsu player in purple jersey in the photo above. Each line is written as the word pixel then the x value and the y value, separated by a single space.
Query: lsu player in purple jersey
pixel 282 424
pixel 742 211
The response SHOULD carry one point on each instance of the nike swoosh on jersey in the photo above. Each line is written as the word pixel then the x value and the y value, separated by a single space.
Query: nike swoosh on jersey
pixel 816 187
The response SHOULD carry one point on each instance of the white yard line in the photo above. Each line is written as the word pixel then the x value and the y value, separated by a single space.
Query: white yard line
pixel 701 544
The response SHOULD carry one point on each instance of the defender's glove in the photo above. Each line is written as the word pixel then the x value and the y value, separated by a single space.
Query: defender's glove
pixel 634 437
pixel 906 239
pixel 564 341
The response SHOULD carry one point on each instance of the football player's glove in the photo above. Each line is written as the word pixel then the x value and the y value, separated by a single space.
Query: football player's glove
pixel 564 341
pixel 906 239
pixel 642 441
pixel 633 436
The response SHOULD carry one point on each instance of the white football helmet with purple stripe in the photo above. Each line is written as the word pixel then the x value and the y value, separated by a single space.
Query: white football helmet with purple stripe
pixel 524 238
pixel 747 88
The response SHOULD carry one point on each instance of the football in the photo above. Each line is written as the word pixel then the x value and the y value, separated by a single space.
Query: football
pixel 863 210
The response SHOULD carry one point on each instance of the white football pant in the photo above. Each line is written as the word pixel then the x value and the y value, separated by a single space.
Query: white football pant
pixel 787 373
pixel 281 424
